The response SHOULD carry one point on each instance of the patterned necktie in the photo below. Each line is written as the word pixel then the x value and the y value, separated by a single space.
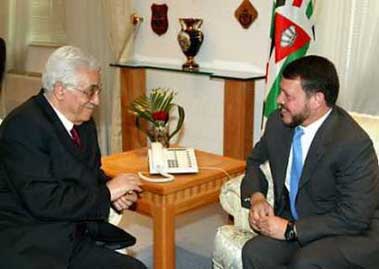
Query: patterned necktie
pixel 75 137
pixel 296 169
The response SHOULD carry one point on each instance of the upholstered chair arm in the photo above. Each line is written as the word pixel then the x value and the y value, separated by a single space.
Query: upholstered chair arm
pixel 231 202
pixel 371 125
pixel 230 199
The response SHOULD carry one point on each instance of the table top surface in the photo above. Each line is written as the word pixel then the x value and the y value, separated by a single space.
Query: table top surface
pixel 211 167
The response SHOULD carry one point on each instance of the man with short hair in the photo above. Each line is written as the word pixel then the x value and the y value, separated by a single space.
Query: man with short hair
pixel 325 177
pixel 54 197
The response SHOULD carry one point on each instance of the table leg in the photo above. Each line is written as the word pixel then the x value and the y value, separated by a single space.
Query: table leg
pixel 164 237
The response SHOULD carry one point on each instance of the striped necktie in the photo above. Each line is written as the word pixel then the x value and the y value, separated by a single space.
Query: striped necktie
pixel 296 169
pixel 75 137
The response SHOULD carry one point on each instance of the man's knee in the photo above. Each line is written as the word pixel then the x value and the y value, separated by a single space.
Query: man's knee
pixel 310 258
pixel 247 259
pixel 251 256
pixel 299 262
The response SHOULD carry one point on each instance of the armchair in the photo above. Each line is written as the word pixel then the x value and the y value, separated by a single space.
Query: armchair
pixel 230 239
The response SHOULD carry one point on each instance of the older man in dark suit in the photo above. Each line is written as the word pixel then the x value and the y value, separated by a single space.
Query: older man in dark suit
pixel 325 176
pixel 54 198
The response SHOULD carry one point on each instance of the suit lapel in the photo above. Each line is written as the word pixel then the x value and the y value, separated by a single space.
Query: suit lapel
pixel 315 153
pixel 317 148
pixel 59 129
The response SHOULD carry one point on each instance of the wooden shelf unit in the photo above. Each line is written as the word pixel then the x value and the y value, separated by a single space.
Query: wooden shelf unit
pixel 239 95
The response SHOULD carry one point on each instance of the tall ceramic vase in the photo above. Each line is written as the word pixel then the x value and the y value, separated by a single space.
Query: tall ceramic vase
pixel 190 39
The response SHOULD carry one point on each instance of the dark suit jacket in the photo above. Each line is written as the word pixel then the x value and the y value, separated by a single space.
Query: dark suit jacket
pixel 339 188
pixel 47 187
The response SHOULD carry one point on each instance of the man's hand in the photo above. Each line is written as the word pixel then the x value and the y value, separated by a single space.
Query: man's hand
pixel 125 201
pixel 272 226
pixel 124 184
pixel 260 208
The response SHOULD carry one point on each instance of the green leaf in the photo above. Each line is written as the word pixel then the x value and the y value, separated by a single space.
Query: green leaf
pixel 180 121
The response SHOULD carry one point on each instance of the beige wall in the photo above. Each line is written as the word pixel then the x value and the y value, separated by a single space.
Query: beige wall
pixel 226 46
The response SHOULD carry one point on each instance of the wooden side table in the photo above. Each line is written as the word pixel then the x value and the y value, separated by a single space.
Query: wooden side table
pixel 164 201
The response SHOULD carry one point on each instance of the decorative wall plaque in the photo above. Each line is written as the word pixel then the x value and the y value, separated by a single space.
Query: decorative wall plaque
pixel 246 14
pixel 159 19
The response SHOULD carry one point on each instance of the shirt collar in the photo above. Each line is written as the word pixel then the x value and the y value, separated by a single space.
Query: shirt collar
pixel 314 126
pixel 68 125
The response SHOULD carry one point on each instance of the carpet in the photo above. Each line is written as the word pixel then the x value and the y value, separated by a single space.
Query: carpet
pixel 195 232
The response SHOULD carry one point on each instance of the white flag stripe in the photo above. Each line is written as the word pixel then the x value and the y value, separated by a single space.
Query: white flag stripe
pixel 298 16
pixel 273 71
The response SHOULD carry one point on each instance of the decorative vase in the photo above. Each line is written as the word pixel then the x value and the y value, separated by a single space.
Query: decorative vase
pixel 160 134
pixel 152 114
pixel 158 131
pixel 190 39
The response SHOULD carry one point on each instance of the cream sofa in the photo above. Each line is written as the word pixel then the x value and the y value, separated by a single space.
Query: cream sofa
pixel 230 238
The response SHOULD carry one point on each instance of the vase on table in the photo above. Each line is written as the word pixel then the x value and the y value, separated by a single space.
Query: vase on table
pixel 190 39
pixel 160 134
pixel 152 115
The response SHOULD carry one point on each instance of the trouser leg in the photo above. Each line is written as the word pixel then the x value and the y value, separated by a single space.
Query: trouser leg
pixel 323 253
pixel 262 252
pixel 89 256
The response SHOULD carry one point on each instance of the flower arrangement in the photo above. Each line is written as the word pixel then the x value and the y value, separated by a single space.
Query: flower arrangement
pixel 155 108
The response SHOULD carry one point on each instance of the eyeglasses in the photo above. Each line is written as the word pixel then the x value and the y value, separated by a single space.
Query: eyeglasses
pixel 90 91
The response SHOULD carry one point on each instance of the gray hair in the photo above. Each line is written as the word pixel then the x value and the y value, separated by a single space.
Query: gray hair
pixel 63 64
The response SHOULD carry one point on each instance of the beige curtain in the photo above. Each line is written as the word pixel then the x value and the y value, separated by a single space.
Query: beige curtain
pixel 47 21
pixel 14 27
pixel 363 77
pixel 85 28
pixel 120 33
pixel 347 32
pixel 15 31
pixel 21 21
pixel 103 28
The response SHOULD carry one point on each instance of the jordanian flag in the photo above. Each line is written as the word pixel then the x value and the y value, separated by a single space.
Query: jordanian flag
pixel 291 32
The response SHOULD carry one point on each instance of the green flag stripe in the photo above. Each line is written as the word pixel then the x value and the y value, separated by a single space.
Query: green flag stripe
pixel 270 103
pixel 309 10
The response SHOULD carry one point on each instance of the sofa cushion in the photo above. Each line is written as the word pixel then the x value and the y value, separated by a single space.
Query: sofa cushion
pixel 228 245
pixel 371 125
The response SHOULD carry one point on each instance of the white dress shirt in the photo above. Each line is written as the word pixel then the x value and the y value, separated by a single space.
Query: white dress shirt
pixel 306 141
pixel 66 122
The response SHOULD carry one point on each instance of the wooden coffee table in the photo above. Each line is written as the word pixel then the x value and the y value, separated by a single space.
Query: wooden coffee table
pixel 164 201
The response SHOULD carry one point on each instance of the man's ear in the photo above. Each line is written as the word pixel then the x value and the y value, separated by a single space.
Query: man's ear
pixel 58 90
pixel 319 99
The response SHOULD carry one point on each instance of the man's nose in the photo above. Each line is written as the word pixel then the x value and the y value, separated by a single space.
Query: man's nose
pixel 96 99
pixel 280 99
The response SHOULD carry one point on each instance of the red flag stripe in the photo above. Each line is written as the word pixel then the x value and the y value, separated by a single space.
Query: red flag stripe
pixel 297 3
pixel 300 37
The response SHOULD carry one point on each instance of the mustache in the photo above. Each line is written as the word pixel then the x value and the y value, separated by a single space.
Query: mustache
pixel 281 107
pixel 91 106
